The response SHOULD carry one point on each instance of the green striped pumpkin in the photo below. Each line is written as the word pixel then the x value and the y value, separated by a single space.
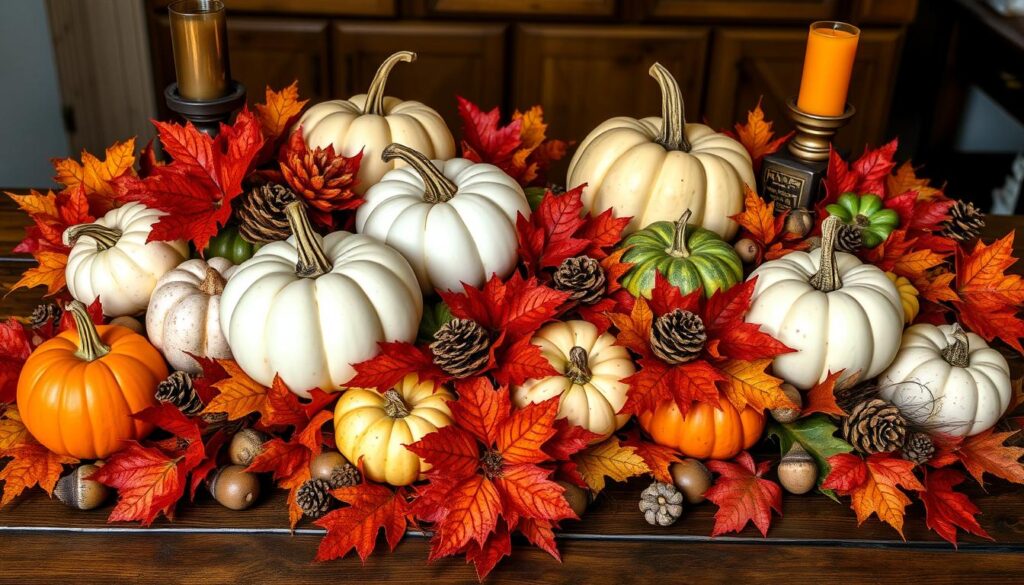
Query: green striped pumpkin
pixel 687 256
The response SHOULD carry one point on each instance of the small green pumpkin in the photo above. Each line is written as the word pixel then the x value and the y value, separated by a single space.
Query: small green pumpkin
pixel 230 244
pixel 868 214
pixel 687 256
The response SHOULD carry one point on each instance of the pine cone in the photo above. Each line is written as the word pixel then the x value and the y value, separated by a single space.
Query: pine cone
pixel 848 238
pixel 919 448
pixel 661 503
pixel 345 476
pixel 875 426
pixel 45 313
pixel 582 277
pixel 678 337
pixel 461 347
pixel 964 223
pixel 314 498
pixel 261 217
pixel 322 178
pixel 178 390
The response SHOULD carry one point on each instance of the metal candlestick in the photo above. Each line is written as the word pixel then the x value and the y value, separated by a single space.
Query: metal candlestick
pixel 206 115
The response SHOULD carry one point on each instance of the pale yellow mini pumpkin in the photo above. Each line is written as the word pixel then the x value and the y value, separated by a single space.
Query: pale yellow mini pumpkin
pixel 908 296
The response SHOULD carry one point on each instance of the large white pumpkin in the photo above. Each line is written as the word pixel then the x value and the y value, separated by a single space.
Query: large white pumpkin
pixel 835 311
pixel 454 221
pixel 310 307
pixel 369 121
pixel 110 259
pixel 590 381
pixel 653 169
pixel 184 313
pixel 948 381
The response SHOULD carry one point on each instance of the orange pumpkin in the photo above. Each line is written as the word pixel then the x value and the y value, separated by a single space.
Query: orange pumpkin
pixel 705 432
pixel 78 391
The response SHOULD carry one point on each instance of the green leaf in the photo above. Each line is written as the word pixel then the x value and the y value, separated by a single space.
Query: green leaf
pixel 534 195
pixel 816 434
pixel 434 316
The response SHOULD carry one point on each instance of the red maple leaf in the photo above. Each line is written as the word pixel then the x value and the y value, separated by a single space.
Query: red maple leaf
pixel 14 350
pixel 395 361
pixel 868 174
pixel 371 508
pixel 149 482
pixel 30 464
pixel 873 485
pixel 497 546
pixel 947 509
pixel 723 320
pixel 822 397
pixel 743 495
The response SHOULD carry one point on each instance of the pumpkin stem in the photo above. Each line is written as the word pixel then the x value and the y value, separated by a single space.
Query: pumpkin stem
pixel 438 188
pixel 394 406
pixel 679 249
pixel 578 368
pixel 312 261
pixel 955 353
pixel 90 346
pixel 827 279
pixel 106 237
pixel 673 111
pixel 212 283
pixel 375 95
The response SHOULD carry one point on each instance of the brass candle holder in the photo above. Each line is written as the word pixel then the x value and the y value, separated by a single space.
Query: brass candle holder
pixel 792 178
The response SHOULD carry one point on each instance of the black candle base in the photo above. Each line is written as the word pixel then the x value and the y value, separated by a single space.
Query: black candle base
pixel 790 182
pixel 206 115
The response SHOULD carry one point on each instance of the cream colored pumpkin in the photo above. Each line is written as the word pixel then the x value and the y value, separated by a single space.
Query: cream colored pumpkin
pixel 369 122
pixel 376 427
pixel 590 381
pixel 653 169
pixel 111 259
pixel 947 380
pixel 836 312
pixel 184 313
pixel 310 307
pixel 454 221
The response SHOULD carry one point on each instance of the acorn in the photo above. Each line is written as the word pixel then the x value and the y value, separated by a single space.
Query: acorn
pixel 798 473
pixel 692 478
pixel 78 492
pixel 788 415
pixel 323 466
pixel 747 250
pixel 246 445
pixel 799 222
pixel 234 487
pixel 577 497
pixel 129 322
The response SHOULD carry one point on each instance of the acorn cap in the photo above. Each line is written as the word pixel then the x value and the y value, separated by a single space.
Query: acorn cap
pixel 246 445
pixel 78 492
pixel 798 473
pixel 692 478
pixel 234 487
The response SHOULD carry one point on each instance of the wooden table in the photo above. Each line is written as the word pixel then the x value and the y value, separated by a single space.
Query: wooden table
pixel 817 541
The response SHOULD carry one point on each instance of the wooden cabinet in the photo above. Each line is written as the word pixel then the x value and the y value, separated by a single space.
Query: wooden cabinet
pixel 759 10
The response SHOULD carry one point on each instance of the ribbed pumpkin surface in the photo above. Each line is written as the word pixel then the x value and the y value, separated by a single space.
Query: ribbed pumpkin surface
pixel 711 262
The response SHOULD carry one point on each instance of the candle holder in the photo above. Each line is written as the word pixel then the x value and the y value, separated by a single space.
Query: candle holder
pixel 206 115
pixel 792 178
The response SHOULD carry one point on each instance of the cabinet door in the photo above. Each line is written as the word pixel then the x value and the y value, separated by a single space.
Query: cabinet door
pixel 583 75
pixel 451 59
pixel 752 64
pixel 755 10
pixel 576 8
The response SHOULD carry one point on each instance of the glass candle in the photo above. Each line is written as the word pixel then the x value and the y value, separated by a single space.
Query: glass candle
pixel 828 65
pixel 199 41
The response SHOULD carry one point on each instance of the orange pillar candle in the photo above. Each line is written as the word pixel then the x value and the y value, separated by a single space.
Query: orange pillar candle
pixel 828 64
pixel 199 42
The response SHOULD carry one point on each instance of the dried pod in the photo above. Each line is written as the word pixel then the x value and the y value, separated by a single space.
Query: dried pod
pixel 788 415
pixel 798 473
pixel 78 492
pixel 246 445
pixel 692 478
pixel 661 503
pixel 577 497
pixel 747 250
pixel 324 465
pixel 234 487
pixel 129 322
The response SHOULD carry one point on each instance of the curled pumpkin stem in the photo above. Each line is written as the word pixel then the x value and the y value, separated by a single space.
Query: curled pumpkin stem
pixel 212 283
pixel 437 187
pixel 105 237
pixel 827 278
pixel 578 368
pixel 394 406
pixel 956 353
pixel 673 111
pixel 679 249
pixel 312 261
pixel 90 346
pixel 375 95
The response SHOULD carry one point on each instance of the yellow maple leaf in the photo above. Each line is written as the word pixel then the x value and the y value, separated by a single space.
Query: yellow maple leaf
pixel 905 179
pixel 31 464
pixel 49 272
pixel 96 175
pixel 12 430
pixel 280 110
pixel 532 129
pixel 239 395
pixel 36 203
pixel 747 383
pixel 757 135
pixel 608 459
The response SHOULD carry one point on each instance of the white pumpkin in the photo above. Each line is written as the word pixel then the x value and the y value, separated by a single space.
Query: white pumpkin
pixel 369 122
pixel 310 307
pixel 110 259
pixel 184 313
pixel 653 169
pixel 454 221
pixel 836 312
pixel 590 381
pixel 947 380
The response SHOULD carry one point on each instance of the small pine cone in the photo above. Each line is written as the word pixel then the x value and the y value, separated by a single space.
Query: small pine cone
pixel 678 337
pixel 919 448
pixel 875 426
pixel 261 217
pixel 848 238
pixel 661 503
pixel 178 390
pixel 345 476
pixel 555 188
pixel 461 347
pixel 582 277
pixel 314 498
pixel 964 223
pixel 45 313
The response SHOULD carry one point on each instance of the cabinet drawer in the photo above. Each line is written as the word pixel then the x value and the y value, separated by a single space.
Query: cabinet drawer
pixel 756 10
pixel 577 8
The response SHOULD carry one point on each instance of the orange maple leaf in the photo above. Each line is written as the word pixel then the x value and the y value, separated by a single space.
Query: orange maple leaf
pixel 239 395
pixel 758 218
pixel 990 299
pixel 634 330
pixel 874 485
pixel 97 175
pixel 917 263
pixel 904 179
pixel 935 287
pixel 35 203
pixel 49 272
pixel 12 430
pixel 757 136
pixel 985 453
pixel 608 459
pixel 31 464
pixel 822 397
pixel 280 111
pixel 747 383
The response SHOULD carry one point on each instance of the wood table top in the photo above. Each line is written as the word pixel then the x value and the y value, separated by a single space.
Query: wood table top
pixel 816 541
